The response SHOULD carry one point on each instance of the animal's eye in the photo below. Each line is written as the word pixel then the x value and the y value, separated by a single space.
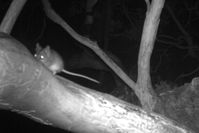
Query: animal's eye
pixel 42 57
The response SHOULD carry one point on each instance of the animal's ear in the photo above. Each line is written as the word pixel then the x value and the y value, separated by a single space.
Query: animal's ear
pixel 38 48
pixel 47 51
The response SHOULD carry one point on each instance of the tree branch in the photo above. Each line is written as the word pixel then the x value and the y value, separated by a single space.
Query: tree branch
pixel 27 87
pixel 151 24
pixel 11 16
pixel 90 44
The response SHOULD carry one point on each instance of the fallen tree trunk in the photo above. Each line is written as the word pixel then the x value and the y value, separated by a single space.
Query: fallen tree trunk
pixel 27 87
